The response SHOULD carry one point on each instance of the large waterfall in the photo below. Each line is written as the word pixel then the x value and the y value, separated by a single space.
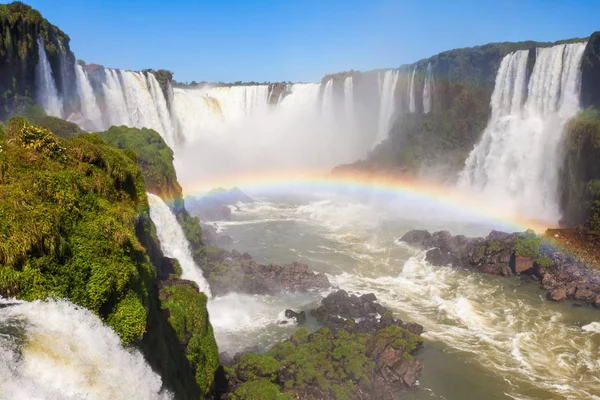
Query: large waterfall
pixel 173 242
pixel 88 104
pixel 349 97
pixel 54 350
pixel 517 159
pixel 47 94
pixel 387 107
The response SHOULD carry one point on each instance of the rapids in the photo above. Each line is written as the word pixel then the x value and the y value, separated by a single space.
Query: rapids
pixel 486 336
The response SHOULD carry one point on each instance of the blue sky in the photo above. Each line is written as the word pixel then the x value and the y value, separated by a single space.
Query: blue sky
pixel 300 40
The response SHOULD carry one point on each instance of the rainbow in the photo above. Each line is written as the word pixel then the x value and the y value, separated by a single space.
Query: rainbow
pixel 357 182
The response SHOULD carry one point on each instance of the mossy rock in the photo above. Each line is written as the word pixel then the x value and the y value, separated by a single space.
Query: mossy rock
pixel 188 316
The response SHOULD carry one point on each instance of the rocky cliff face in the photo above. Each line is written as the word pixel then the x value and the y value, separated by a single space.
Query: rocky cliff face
pixel 590 73
pixel 20 27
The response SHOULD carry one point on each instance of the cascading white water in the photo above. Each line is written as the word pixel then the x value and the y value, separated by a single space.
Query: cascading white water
pixel 90 113
pixel 327 99
pixel 428 88
pixel 173 242
pixel 54 350
pixel 116 105
pixel 162 109
pixel 517 159
pixel 47 94
pixel 349 97
pixel 412 104
pixel 387 105
pixel 140 103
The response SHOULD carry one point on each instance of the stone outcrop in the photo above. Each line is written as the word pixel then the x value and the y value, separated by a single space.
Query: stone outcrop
pixel 363 352
pixel 510 254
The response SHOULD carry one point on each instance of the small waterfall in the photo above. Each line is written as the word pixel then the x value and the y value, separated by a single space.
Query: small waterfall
pixel 349 97
pixel 47 94
pixel 90 112
pixel 387 107
pixel 517 159
pixel 428 90
pixel 327 99
pixel 55 350
pixel 411 94
pixel 173 242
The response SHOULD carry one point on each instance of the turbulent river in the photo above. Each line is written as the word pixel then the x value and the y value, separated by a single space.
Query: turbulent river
pixel 486 337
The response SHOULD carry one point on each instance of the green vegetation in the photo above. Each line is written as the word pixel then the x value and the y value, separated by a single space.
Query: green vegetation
pixel 68 216
pixel 332 364
pixel 580 174
pixel 189 318
pixel 260 389
pixel 528 245
pixel 544 262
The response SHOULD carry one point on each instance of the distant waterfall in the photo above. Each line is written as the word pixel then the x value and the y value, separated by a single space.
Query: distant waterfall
pixel 517 159
pixel 349 97
pixel 173 242
pixel 387 106
pixel 327 99
pixel 56 350
pixel 428 90
pixel 90 115
pixel 47 94
pixel 411 93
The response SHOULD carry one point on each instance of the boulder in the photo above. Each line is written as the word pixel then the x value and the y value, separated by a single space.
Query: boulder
pixel 523 264
pixel 300 317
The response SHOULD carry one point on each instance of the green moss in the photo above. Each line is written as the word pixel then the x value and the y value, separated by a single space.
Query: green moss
pixel 128 318
pixel 68 216
pixel 544 262
pixel 259 390
pixel 528 245
pixel 189 318
pixel 256 366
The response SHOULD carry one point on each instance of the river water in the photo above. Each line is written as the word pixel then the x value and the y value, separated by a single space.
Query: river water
pixel 486 337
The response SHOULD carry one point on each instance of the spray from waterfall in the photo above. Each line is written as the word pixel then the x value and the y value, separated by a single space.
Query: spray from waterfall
pixel 47 94
pixel 55 350
pixel 327 99
pixel 349 97
pixel 173 242
pixel 517 159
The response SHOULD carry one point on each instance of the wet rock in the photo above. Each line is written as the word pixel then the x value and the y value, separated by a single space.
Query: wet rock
pixel 557 294
pixel 300 317
pixel 561 275
pixel 523 264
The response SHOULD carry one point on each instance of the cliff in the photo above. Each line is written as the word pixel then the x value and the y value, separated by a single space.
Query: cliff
pixel 20 27
pixel 74 223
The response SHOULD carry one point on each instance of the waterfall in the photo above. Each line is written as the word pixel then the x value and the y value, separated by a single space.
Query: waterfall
pixel 90 113
pixel 47 94
pixel 349 97
pixel 411 94
pixel 116 105
pixel 140 104
pixel 162 109
pixel 517 159
pixel 327 99
pixel 387 107
pixel 173 242
pixel 428 90
pixel 55 350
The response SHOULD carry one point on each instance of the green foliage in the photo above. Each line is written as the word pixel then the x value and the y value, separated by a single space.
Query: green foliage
pixel 189 318
pixel 335 364
pixel 68 216
pixel 528 245
pixel 260 389
pixel 129 318
pixel 544 262
pixel 256 366
pixel 154 157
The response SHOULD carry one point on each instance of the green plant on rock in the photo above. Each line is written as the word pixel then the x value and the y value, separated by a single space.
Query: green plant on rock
pixel 188 316
pixel 68 216
pixel 260 389
pixel 528 245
